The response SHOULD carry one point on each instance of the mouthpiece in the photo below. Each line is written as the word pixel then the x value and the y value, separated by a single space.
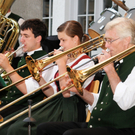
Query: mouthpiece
pixel 108 50
pixel 51 53
pixel 61 48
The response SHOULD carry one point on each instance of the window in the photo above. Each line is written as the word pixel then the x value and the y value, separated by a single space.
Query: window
pixel 47 14
pixel 85 13
pixel 109 4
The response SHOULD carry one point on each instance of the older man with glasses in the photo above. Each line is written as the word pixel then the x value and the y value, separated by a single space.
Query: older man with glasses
pixel 107 117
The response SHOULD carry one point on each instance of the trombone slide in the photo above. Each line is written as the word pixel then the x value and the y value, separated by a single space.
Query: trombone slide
pixel 34 106
pixel 16 50
pixel 86 72
pixel 35 66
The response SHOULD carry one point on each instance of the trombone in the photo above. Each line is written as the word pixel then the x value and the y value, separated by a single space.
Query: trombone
pixel 35 66
pixel 38 65
pixel 85 47
pixel 47 55
pixel 8 55
pixel 78 76
pixel 28 94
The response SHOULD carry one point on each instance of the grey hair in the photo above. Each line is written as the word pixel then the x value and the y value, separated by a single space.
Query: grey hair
pixel 124 27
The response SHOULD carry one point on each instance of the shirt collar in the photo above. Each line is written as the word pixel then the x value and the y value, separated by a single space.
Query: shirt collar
pixel 32 52
pixel 121 61
pixel 7 14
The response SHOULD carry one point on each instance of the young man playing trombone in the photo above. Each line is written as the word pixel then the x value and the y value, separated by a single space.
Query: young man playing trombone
pixel 33 33
pixel 107 117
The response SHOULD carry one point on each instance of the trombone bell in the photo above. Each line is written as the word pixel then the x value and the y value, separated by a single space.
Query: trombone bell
pixel 82 48
pixel 31 64
pixel 78 77
pixel 1 118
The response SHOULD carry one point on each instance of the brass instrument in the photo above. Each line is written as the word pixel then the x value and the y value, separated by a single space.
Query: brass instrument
pixel 1 118
pixel 5 5
pixel 47 55
pixel 35 66
pixel 34 106
pixel 78 76
pixel 85 47
pixel 9 29
pixel 9 32
pixel 9 55
pixel 28 94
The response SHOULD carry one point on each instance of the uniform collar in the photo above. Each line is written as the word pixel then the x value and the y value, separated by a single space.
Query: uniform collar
pixel 32 52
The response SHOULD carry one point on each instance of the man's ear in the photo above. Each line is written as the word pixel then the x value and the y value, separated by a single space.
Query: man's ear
pixel 127 40
pixel 39 38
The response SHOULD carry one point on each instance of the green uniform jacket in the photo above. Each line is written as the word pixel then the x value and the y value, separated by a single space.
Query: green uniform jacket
pixel 14 93
pixel 107 113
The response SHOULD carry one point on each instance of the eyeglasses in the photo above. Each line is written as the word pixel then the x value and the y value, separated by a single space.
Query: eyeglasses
pixel 110 40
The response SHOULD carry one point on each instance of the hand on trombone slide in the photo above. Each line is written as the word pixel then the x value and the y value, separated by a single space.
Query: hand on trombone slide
pixel 69 82
pixel 62 60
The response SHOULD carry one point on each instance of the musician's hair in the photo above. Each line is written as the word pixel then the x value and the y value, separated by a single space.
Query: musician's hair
pixel 125 27
pixel 37 27
pixel 73 28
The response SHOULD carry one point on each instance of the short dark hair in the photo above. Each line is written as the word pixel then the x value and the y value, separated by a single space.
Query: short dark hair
pixel 37 27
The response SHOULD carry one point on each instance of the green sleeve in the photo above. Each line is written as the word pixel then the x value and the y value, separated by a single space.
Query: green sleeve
pixel 2 82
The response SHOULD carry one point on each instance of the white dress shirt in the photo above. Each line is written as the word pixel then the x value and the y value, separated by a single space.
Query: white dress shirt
pixel 125 92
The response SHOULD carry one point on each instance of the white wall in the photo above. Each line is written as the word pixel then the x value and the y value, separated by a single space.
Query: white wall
pixel 28 8
pixel 63 10
pixel 98 8
pixel 58 14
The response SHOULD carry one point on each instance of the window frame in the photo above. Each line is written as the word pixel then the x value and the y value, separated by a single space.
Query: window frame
pixel 49 18
pixel 87 15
